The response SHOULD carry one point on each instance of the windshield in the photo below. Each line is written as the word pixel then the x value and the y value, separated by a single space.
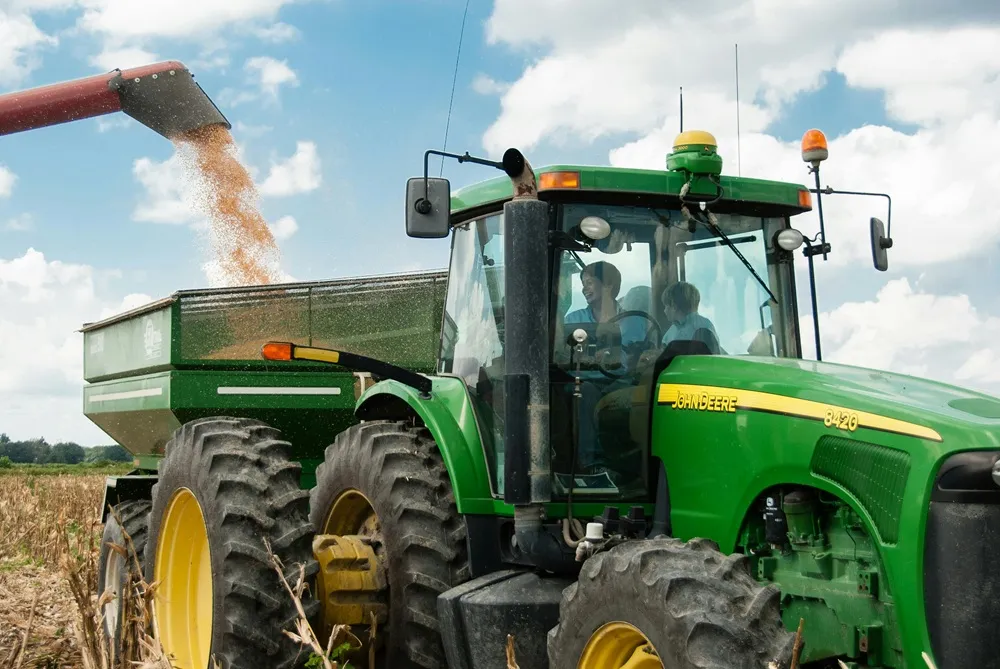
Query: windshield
pixel 681 280
pixel 659 277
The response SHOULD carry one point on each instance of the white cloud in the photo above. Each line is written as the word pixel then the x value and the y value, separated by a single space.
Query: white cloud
pixel 270 74
pixel 171 190
pixel 924 84
pixel 267 75
pixel 277 33
pixel 123 58
pixel 284 228
pixel 20 41
pixel 298 174
pixel 20 223
pixel 911 331
pixel 114 122
pixel 599 74
pixel 242 128
pixel 486 85
pixel 176 19
pixel 44 302
pixel 7 179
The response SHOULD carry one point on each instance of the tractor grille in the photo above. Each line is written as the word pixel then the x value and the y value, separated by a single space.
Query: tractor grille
pixel 875 474
pixel 962 563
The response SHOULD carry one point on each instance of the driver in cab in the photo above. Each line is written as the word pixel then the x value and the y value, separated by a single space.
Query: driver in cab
pixel 601 284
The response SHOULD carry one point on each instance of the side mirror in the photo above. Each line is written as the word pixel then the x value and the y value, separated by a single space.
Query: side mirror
pixel 879 245
pixel 428 212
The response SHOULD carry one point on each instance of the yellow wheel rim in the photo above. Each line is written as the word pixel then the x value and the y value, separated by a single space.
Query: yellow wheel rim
pixel 352 582
pixel 182 605
pixel 351 513
pixel 619 645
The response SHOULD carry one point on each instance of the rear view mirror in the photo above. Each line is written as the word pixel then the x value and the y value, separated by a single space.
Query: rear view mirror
pixel 879 245
pixel 428 207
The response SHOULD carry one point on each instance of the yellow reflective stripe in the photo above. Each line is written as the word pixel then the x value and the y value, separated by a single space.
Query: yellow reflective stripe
pixel 718 398
pixel 317 354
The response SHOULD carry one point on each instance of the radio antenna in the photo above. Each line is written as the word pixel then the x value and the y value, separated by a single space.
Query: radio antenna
pixel 682 109
pixel 739 169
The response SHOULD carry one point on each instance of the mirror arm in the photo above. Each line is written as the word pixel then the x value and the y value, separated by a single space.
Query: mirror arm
pixel 888 219
pixel 423 205
pixel 809 251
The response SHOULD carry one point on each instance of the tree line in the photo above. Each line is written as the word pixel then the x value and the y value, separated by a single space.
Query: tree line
pixel 40 452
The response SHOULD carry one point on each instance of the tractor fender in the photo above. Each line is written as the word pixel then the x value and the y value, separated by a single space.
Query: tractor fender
pixel 128 488
pixel 447 413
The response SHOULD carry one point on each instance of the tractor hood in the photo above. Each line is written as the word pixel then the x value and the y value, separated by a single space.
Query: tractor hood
pixel 807 385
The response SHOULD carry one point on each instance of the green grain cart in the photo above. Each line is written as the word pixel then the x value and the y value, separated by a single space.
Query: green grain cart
pixel 595 432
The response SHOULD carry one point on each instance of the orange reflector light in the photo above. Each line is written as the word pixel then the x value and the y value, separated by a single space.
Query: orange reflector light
pixel 559 180
pixel 805 199
pixel 814 147
pixel 276 351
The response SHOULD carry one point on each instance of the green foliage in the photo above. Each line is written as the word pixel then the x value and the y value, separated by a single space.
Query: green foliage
pixel 316 661
pixel 39 452
pixel 5 462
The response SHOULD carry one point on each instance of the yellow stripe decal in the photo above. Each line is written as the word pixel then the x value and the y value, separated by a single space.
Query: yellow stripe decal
pixel 317 354
pixel 728 400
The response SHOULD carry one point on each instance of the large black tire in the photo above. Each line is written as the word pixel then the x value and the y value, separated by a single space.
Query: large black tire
pixel 113 569
pixel 248 488
pixel 698 607
pixel 399 469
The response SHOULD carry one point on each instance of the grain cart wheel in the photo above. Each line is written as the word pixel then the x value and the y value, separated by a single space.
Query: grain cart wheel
pixel 225 486
pixel 113 568
pixel 389 540
pixel 666 603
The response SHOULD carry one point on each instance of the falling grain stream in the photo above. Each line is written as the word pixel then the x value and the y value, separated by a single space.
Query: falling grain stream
pixel 244 247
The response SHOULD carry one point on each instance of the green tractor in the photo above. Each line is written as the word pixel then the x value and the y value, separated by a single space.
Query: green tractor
pixel 595 433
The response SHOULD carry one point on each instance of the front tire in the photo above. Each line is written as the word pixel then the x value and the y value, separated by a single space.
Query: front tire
pixel 383 491
pixel 686 602
pixel 225 486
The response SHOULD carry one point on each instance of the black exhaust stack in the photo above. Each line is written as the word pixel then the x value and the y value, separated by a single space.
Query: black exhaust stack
pixel 527 475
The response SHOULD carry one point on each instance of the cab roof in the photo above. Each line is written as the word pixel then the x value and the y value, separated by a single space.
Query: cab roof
pixel 780 197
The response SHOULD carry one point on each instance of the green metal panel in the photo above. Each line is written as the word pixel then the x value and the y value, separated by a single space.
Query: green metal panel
pixel 136 345
pixel 657 182
pixel 395 318
pixel 720 462
pixel 875 474
pixel 141 414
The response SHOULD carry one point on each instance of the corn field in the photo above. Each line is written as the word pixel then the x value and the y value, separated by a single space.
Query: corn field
pixel 50 537
pixel 48 525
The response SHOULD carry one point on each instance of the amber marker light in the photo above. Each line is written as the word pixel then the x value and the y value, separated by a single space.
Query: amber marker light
pixel 276 350
pixel 559 180
pixel 805 199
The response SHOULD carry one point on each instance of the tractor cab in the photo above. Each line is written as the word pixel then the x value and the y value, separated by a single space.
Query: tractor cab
pixel 635 260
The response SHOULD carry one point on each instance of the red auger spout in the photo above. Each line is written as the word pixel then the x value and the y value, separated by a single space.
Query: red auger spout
pixel 164 97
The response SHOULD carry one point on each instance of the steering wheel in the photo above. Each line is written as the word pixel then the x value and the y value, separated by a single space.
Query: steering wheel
pixel 614 319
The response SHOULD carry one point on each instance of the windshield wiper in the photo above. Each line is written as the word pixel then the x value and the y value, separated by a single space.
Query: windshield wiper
pixel 707 222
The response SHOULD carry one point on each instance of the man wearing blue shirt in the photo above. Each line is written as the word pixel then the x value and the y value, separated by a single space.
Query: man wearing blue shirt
pixel 601 285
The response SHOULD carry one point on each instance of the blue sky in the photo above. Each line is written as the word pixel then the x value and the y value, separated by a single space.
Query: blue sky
pixel 374 85
pixel 565 83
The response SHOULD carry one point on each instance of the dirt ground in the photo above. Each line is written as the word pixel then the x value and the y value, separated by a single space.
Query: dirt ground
pixel 37 610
